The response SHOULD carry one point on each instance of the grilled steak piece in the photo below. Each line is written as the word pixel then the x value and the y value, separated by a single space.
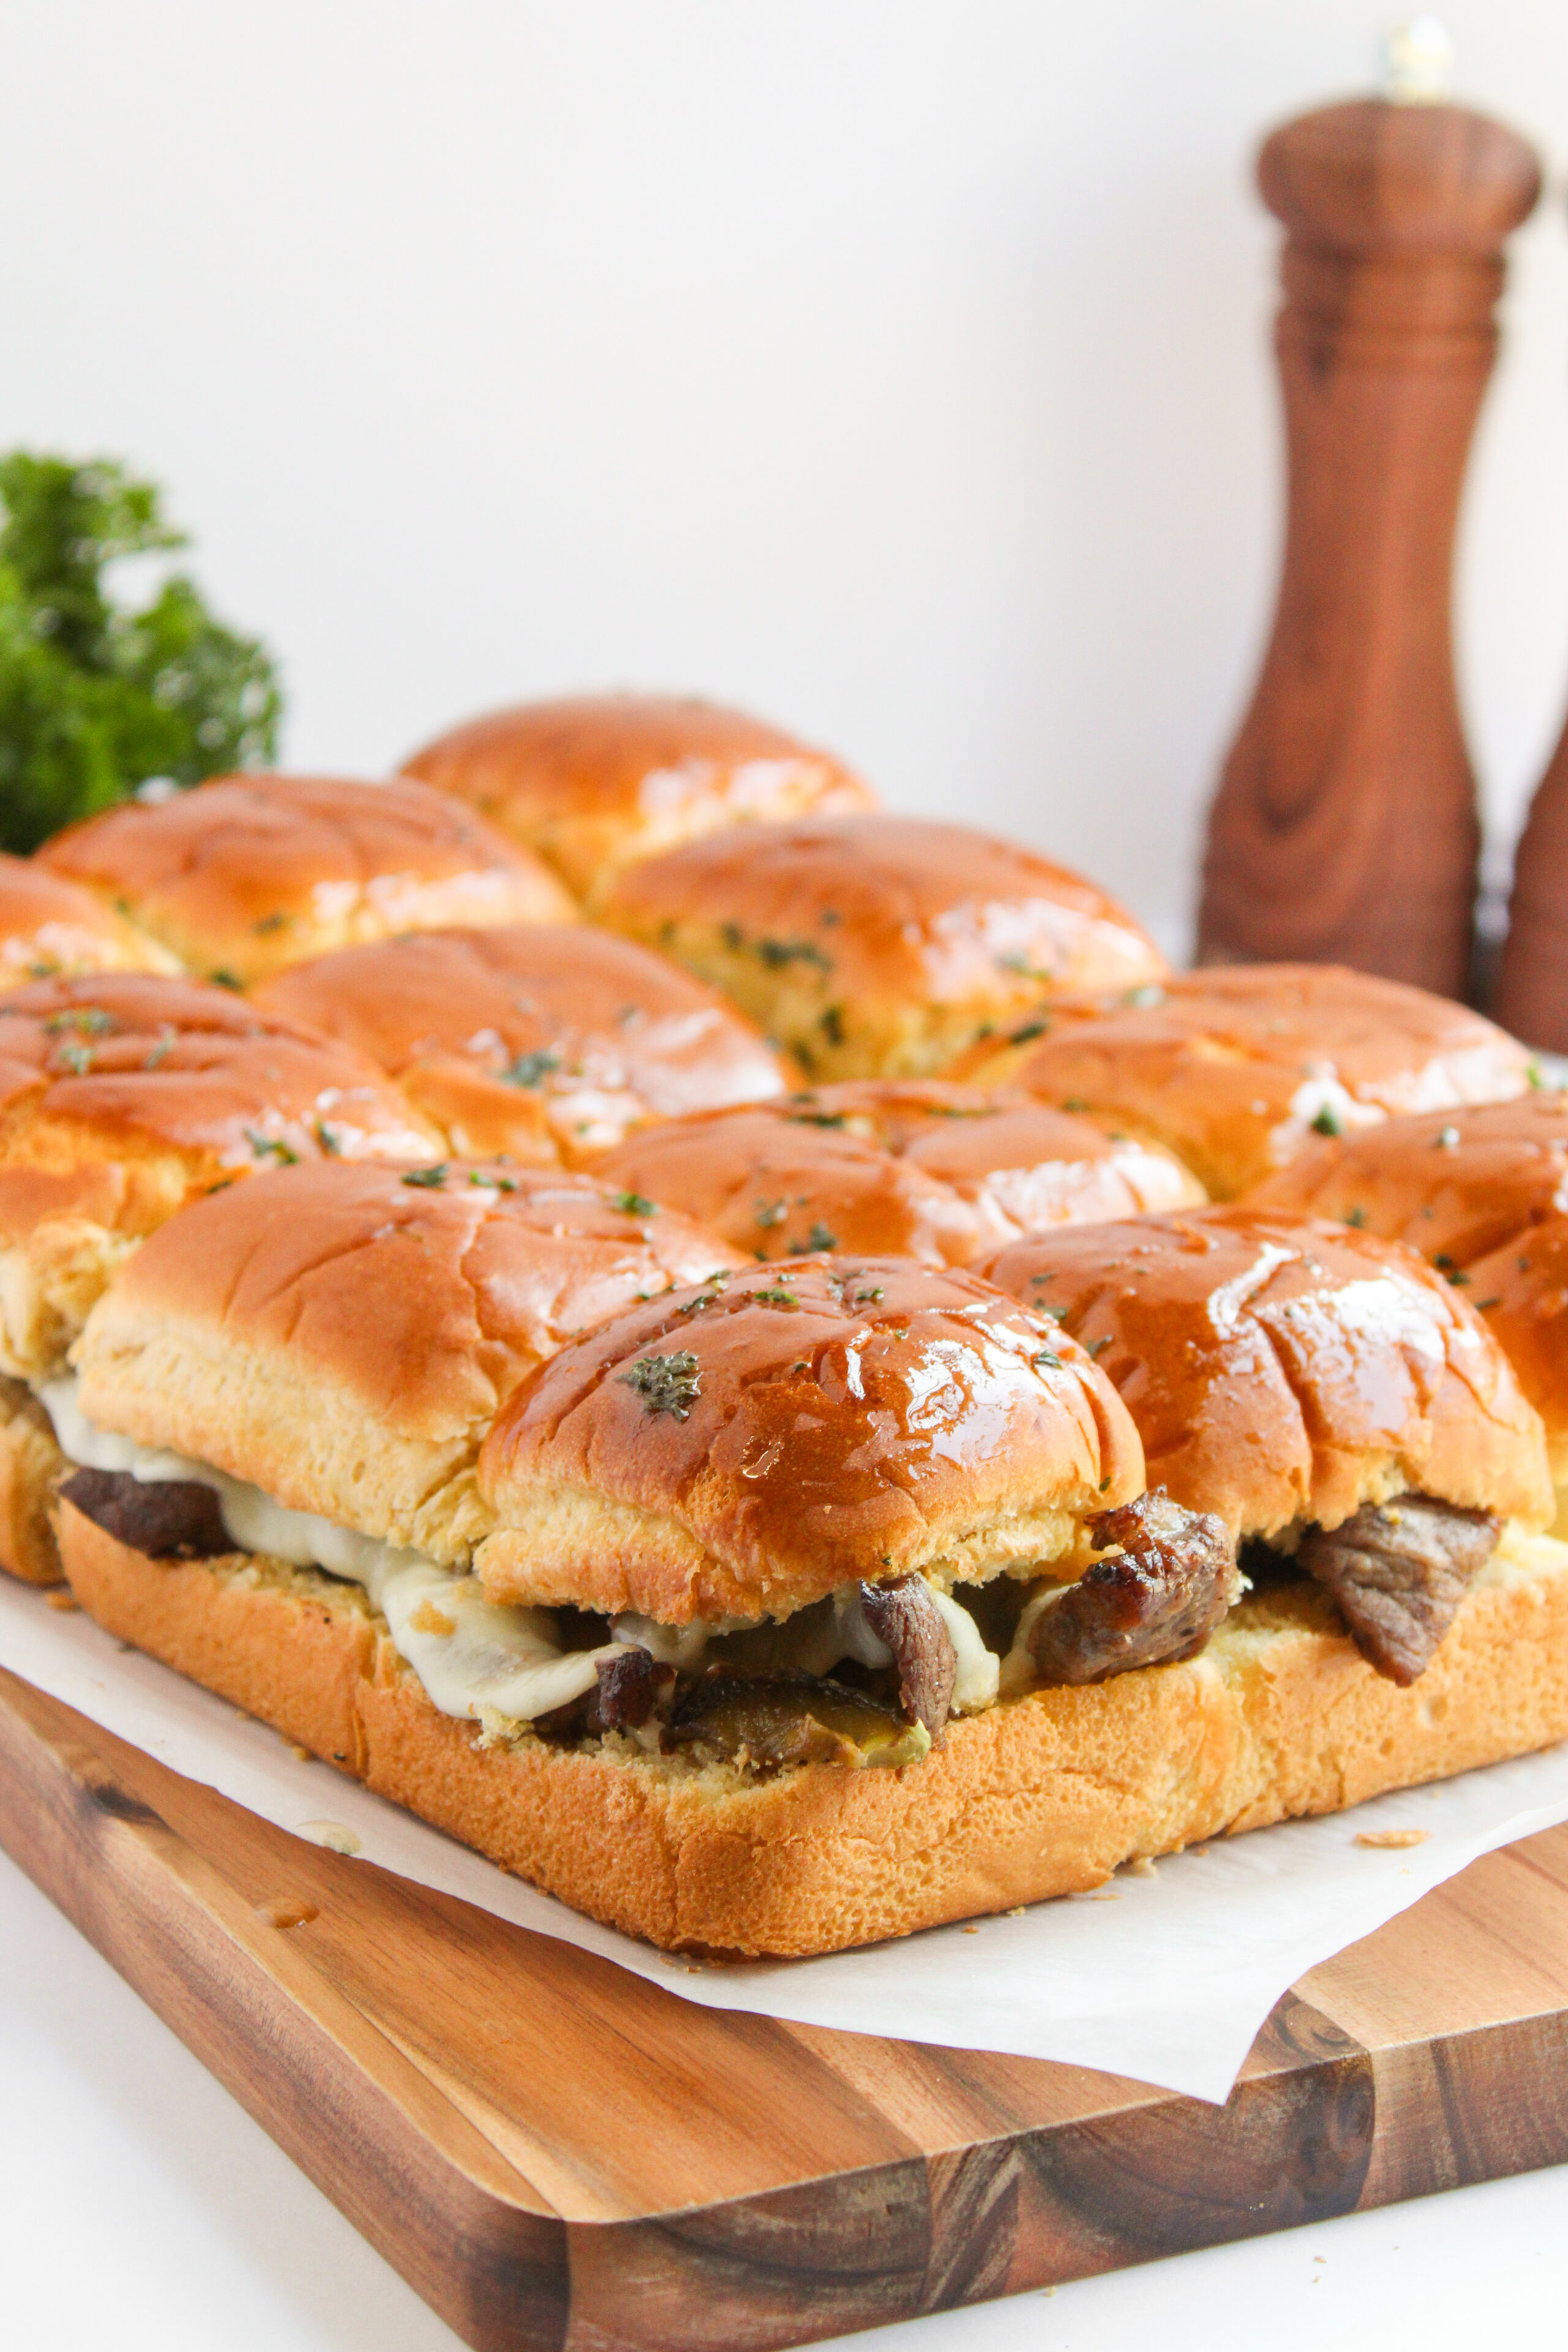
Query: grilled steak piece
pixel 768 1723
pixel 1398 1572
pixel 172 1518
pixel 1160 1599
pixel 632 1690
pixel 902 1613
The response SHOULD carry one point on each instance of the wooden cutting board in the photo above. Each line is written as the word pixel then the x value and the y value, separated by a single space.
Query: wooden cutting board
pixel 555 2153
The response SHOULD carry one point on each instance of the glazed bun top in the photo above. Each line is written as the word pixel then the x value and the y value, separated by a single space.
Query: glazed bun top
pixel 744 1449
pixel 1520 1291
pixel 1235 1068
pixel 879 946
pixel 596 781
pixel 545 1042
pixel 124 1095
pixel 1025 1166
pixel 1455 1184
pixel 1282 1370
pixel 49 928
pixel 779 1185
pixel 342 1336
pixel 250 873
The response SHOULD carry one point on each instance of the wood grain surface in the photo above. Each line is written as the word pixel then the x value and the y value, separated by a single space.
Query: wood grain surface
pixel 555 2153
pixel 1344 829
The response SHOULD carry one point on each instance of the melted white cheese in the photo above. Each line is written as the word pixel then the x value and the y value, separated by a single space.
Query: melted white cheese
pixel 476 1656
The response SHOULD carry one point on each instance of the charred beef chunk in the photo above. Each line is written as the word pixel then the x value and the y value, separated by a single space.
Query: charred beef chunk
pixel 632 1690
pixel 766 1723
pixel 1161 1599
pixel 902 1613
pixel 172 1518
pixel 1398 1572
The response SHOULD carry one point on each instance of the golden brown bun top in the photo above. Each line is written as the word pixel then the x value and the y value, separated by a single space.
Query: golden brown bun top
pixel 51 926
pixel 1452 1184
pixel 1023 1164
pixel 937 914
pixel 908 1168
pixel 1283 1369
pixel 558 1034
pixel 799 1427
pixel 1520 1291
pixel 779 1185
pixel 250 873
pixel 419 1304
pixel 595 780
pixel 1232 1067
pixel 178 1085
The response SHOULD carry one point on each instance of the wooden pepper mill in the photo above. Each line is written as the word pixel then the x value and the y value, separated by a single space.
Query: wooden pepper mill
pixel 1344 829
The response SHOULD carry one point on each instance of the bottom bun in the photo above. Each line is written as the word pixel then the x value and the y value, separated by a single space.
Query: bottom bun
pixel 1041 1795
pixel 29 1462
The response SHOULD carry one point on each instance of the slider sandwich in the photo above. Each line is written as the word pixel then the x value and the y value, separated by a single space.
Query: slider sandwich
pixel 726 1631
pixel 595 782
pixel 1341 1410
pixel 1483 1194
pixel 123 1097
pixel 49 927
pixel 908 1168
pixel 879 946
pixel 247 874
pixel 1236 1068
pixel 547 1041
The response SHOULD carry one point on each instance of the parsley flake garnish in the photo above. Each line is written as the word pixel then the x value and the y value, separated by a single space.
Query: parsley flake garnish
pixel 819 1238
pixel 428 1180
pixel 665 1383
pixel 1328 1121
pixel 90 1019
pixel 776 1296
pixel 530 1070
pixel 271 1147
pixel 634 1204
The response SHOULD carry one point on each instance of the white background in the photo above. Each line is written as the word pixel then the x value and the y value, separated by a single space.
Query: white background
pixel 899 369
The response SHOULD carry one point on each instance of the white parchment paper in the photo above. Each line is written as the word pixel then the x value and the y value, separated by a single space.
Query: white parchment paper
pixel 1165 1977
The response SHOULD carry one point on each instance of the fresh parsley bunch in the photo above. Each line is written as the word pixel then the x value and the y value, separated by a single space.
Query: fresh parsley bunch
pixel 96 697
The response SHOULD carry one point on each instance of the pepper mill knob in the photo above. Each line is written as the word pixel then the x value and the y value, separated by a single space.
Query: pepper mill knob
pixel 1344 828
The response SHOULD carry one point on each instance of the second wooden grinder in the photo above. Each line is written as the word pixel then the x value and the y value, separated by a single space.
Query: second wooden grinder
pixel 1344 829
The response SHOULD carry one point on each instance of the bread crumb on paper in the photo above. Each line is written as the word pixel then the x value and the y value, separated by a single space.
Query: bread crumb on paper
pixel 1392 1838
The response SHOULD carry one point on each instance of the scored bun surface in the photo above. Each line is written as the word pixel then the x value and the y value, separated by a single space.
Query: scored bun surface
pixel 125 1094
pixel 879 946
pixel 746 1448
pixel 595 782
pixel 247 874
pixel 1235 1066
pixel 1283 1369
pixel 1482 1193
pixel 50 927
pixel 1455 1184
pixel 1024 1165
pixel 544 1041
pixel 342 1336
pixel 778 1184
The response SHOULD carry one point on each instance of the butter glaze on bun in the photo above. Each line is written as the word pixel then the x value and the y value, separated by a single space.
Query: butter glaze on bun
pixel 744 1449
pixel 1024 1165
pixel 596 781
pixel 879 946
pixel 779 1185
pixel 1234 1067
pixel 342 1336
pixel 124 1096
pixel 49 928
pixel 248 874
pixel 542 1042
pixel 1483 1194
pixel 1282 1370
